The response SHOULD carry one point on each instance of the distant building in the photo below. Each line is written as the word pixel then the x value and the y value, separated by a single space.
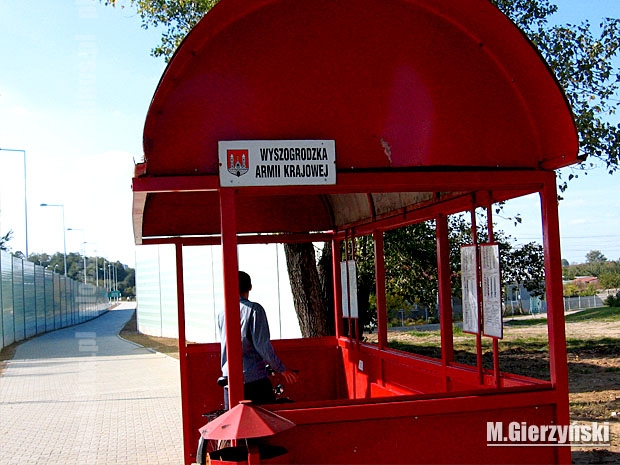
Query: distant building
pixel 585 281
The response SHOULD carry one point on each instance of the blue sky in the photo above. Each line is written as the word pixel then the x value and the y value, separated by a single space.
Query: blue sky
pixel 75 85
pixel 76 79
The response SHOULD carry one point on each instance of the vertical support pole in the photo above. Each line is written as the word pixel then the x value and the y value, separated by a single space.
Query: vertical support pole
pixel 346 259
pixel 445 295
pixel 336 256
pixel 185 407
pixel 380 289
pixel 356 320
pixel 496 372
pixel 474 238
pixel 36 313
pixel 558 366
pixel 228 217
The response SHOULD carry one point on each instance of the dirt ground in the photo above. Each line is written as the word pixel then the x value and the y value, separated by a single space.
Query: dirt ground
pixel 593 353
pixel 594 384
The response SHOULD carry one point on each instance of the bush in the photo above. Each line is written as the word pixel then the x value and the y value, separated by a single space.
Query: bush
pixel 613 300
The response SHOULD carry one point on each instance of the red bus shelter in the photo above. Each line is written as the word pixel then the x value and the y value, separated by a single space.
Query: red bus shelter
pixel 317 120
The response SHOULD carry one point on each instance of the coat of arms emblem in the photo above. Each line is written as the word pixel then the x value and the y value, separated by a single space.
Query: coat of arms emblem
pixel 238 162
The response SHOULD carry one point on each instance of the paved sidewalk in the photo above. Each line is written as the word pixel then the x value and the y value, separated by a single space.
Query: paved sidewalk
pixel 83 395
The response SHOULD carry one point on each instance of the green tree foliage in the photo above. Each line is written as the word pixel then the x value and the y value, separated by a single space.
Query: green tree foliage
pixel 125 276
pixel 610 279
pixel 410 268
pixel 595 257
pixel 177 16
pixel 524 265
pixel 596 264
pixel 582 58
pixel 4 240
pixel 613 300
pixel 607 272
pixel 579 290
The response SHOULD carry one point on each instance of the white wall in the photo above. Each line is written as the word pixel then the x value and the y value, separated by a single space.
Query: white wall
pixel 203 287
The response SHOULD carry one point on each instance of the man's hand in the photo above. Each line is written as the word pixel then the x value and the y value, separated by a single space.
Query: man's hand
pixel 289 376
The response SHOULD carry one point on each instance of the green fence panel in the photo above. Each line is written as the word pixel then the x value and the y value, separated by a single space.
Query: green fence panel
pixel 30 303
pixel 8 314
pixel 18 299
pixel 39 286
pixel 34 300
pixel 49 300
pixel 57 303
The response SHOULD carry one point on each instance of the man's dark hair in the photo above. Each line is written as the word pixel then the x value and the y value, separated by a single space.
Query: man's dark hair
pixel 245 282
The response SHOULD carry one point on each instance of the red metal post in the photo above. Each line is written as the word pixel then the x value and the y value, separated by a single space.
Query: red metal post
pixel 444 293
pixel 380 289
pixel 231 295
pixel 474 239
pixel 355 321
pixel 347 257
pixel 495 342
pixel 558 366
pixel 336 257
pixel 185 404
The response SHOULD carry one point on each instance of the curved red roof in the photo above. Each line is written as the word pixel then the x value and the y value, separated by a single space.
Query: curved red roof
pixel 400 85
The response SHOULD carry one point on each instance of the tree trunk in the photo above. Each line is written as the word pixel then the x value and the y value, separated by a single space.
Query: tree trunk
pixel 311 305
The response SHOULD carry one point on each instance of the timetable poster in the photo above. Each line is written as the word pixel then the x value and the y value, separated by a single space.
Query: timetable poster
pixel 469 284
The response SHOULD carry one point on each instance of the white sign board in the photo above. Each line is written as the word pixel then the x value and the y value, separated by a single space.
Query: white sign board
pixel 348 284
pixel 469 284
pixel 491 291
pixel 277 162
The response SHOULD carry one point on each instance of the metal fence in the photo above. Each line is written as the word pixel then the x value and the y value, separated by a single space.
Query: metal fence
pixel 579 303
pixel 524 306
pixel 34 300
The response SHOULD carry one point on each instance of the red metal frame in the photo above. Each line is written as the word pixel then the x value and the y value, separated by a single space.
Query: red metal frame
pixel 445 294
pixel 411 381
pixel 442 98
pixel 555 304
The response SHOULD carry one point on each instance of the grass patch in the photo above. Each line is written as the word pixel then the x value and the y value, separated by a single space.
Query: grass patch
pixel 457 330
pixel 526 322
pixel 165 345
pixel 7 353
pixel 529 344
pixel 608 346
pixel 423 334
pixel 428 350
pixel 593 410
pixel 598 314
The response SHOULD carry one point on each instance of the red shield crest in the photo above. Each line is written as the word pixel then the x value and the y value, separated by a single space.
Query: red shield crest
pixel 238 162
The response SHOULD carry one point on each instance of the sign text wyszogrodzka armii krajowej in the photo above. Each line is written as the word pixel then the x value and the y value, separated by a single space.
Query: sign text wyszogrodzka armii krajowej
pixel 277 163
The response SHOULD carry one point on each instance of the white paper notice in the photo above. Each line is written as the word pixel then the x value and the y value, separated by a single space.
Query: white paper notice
pixel 491 291
pixel 469 284
pixel 348 284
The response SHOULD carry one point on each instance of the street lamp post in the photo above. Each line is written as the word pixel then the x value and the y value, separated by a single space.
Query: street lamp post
pixel 83 246
pixel 64 235
pixel 25 195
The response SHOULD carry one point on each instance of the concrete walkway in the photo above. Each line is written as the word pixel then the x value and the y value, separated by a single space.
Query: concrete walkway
pixel 83 395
